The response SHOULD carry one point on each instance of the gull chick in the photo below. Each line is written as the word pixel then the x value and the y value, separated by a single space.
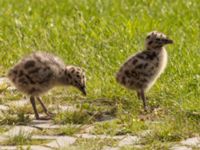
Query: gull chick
pixel 38 72
pixel 141 70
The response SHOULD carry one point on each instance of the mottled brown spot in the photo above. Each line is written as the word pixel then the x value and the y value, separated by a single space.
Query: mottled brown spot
pixel 29 64
pixel 66 72
pixel 134 61
pixel 77 83
pixel 21 73
pixel 35 70
pixel 46 68
pixel 143 80
pixel 139 66
pixel 29 79
pixel 123 80
pixel 157 64
pixel 145 74
pixel 150 42
pixel 141 56
pixel 14 71
pixel 46 79
pixel 151 56
pixel 73 70
pixel 152 68
pixel 14 80
pixel 145 65
pixel 23 81
pixel 69 75
pixel 132 82
pixel 134 73
pixel 127 73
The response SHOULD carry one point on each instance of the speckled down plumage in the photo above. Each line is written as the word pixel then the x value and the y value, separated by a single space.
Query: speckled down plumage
pixel 38 72
pixel 140 71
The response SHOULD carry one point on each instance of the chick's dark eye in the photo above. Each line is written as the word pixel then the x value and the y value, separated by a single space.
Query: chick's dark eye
pixel 158 39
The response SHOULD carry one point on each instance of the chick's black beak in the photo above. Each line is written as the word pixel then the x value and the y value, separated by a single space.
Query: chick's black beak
pixel 83 90
pixel 168 41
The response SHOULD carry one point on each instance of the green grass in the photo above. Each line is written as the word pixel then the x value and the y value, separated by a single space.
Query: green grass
pixel 77 117
pixel 99 36
pixel 6 95
pixel 14 119
pixel 92 144
pixel 23 139
pixel 3 129
pixel 69 130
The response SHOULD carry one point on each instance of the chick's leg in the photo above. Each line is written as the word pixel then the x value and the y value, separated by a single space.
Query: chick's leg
pixel 32 100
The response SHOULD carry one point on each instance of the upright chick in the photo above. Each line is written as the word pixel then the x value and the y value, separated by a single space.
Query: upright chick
pixel 39 72
pixel 140 71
